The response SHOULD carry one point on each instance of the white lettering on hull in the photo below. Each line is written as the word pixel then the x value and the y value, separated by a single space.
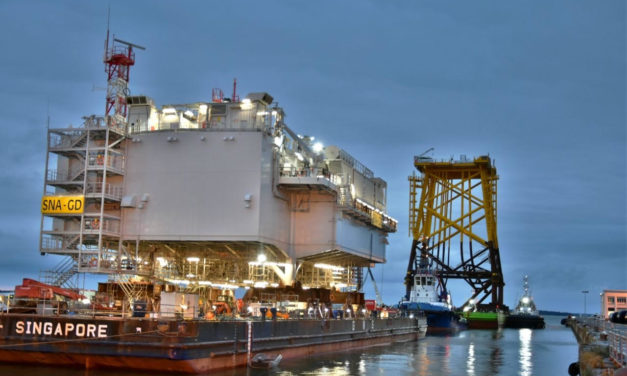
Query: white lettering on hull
pixel 58 329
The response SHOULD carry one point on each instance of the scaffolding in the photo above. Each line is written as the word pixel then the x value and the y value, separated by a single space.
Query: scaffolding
pixel 90 166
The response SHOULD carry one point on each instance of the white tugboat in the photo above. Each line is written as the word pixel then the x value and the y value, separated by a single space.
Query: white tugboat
pixel 525 315
pixel 428 295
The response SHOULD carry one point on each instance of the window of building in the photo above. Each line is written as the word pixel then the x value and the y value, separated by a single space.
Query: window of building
pixel 621 300
pixel 610 299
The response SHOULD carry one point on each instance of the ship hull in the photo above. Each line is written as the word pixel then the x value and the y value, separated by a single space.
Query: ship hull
pixel 439 318
pixel 442 322
pixel 186 346
pixel 525 321
pixel 485 320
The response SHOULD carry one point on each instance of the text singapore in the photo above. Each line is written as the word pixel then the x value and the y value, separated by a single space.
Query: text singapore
pixel 58 329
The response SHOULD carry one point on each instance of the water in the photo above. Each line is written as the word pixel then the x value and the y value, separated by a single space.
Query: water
pixel 521 352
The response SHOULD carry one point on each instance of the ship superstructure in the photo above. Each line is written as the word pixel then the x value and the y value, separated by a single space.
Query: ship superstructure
pixel 219 193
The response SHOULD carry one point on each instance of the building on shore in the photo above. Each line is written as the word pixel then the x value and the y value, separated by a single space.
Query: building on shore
pixel 612 301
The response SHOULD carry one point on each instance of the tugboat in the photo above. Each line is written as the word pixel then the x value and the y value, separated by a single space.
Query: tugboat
pixel 428 295
pixel 525 315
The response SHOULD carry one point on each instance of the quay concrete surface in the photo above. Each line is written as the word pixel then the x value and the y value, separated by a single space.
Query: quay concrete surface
pixel 602 346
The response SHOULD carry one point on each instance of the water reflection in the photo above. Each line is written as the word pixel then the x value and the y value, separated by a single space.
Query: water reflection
pixel 470 362
pixel 447 357
pixel 524 352
pixel 362 366
pixel 421 362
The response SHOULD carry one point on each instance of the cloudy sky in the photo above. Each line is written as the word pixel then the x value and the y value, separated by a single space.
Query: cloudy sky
pixel 540 86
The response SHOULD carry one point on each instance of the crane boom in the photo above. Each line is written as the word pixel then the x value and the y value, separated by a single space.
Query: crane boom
pixel 376 289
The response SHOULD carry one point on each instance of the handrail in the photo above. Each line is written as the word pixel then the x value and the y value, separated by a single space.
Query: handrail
pixel 98 160
pixel 64 175
pixel 114 191
pixel 616 338
pixel 107 225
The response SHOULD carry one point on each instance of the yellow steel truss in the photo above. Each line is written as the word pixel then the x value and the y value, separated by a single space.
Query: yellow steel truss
pixel 457 203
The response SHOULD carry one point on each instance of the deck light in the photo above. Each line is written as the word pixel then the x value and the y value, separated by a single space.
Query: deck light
pixel 328 267
pixel 162 262
pixel 317 147
pixel 246 104
pixel 278 140
pixel 261 257
pixel 193 259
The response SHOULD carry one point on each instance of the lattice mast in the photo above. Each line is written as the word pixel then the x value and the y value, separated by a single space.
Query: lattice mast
pixel 456 208
pixel 118 59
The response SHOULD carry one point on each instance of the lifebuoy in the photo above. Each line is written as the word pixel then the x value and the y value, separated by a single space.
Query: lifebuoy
pixel 93 262
pixel 332 297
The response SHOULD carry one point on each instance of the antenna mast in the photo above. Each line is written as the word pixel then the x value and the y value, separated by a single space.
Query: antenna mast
pixel 235 97
pixel 118 58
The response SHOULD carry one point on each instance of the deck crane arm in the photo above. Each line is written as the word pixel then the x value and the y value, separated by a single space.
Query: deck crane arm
pixel 376 289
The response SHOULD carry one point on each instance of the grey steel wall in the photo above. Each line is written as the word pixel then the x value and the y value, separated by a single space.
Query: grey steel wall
pixel 196 185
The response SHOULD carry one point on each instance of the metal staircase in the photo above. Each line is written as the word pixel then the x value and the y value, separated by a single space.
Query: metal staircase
pixel 62 274
pixel 90 164
pixel 134 291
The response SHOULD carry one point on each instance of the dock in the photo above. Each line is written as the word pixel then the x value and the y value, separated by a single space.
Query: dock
pixel 602 345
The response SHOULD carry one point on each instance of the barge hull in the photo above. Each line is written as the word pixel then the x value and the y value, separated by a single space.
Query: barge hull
pixel 190 346
pixel 213 362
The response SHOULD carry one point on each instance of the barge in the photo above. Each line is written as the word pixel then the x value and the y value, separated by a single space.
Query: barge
pixel 186 346
pixel 485 319
pixel 183 205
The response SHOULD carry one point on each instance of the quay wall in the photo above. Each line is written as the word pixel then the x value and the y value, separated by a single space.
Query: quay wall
pixel 602 344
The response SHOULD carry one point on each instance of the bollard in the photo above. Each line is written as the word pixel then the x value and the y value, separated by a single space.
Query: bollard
pixel 263 311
